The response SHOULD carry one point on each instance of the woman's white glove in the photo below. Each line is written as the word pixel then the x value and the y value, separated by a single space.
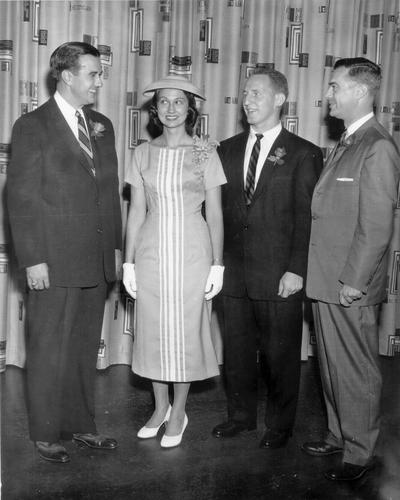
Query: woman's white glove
pixel 214 281
pixel 129 278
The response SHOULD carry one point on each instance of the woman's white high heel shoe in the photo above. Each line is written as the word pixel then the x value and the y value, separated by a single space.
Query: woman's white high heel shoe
pixel 150 432
pixel 171 441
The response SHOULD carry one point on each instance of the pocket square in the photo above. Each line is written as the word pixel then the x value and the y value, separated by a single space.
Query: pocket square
pixel 345 179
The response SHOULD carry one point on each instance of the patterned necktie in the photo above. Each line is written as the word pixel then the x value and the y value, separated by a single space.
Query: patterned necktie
pixel 251 171
pixel 83 138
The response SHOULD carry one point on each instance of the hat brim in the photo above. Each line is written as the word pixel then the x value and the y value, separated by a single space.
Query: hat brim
pixel 174 82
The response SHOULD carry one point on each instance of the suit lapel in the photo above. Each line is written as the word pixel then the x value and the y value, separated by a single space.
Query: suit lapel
pixel 269 167
pixel 334 156
pixel 333 159
pixel 237 178
pixel 64 137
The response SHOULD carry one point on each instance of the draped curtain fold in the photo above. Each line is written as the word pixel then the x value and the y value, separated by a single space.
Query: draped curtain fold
pixel 216 43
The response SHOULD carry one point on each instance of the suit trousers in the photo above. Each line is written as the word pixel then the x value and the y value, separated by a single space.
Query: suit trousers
pixel 64 330
pixel 274 328
pixel 348 352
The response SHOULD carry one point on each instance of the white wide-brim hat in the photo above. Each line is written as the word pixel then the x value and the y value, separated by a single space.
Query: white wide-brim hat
pixel 174 82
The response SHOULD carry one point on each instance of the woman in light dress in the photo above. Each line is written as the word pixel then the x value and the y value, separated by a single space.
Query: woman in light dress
pixel 173 255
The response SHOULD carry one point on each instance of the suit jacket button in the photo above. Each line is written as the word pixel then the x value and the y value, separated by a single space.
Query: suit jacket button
pixel 314 217
pixel 99 230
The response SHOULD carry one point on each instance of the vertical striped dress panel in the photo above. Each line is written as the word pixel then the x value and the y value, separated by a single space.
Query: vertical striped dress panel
pixel 173 256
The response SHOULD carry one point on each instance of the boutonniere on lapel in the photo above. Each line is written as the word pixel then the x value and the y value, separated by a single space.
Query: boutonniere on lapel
pixel 96 129
pixel 202 148
pixel 276 158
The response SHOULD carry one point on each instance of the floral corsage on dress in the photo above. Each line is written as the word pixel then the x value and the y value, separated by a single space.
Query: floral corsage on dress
pixel 203 148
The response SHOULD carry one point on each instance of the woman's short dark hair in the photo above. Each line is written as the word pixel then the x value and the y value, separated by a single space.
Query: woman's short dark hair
pixel 67 55
pixel 191 118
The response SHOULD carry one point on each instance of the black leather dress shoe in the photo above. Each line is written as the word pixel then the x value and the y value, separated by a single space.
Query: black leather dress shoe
pixel 231 428
pixel 320 448
pixel 52 452
pixel 274 439
pixel 96 441
pixel 348 472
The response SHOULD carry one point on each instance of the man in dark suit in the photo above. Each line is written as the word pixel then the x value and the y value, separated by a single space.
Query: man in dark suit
pixel 65 220
pixel 271 175
pixel 352 221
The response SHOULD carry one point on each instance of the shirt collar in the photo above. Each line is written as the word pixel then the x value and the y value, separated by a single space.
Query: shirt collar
pixel 274 131
pixel 65 107
pixel 357 124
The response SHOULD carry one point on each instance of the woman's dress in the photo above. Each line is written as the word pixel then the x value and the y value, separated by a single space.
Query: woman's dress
pixel 173 256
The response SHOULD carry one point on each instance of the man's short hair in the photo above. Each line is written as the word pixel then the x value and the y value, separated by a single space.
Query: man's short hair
pixel 278 80
pixel 362 70
pixel 67 55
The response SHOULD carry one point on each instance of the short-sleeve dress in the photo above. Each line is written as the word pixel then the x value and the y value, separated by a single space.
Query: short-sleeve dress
pixel 173 256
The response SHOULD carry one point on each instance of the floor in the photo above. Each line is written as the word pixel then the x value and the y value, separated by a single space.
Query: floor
pixel 202 467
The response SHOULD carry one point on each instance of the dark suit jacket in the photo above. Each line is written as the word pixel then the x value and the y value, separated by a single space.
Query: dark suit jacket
pixel 59 212
pixel 271 237
pixel 353 210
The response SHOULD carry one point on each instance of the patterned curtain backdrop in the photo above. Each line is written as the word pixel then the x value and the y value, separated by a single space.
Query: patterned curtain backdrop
pixel 216 43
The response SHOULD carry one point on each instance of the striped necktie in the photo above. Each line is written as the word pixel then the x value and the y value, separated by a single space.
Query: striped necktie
pixel 83 138
pixel 251 171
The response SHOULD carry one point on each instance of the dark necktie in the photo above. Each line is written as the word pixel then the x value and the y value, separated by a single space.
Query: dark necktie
pixel 251 171
pixel 83 138
pixel 341 144
pixel 342 140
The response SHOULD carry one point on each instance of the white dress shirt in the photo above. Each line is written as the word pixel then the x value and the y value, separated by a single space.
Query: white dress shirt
pixel 357 124
pixel 269 137
pixel 68 112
